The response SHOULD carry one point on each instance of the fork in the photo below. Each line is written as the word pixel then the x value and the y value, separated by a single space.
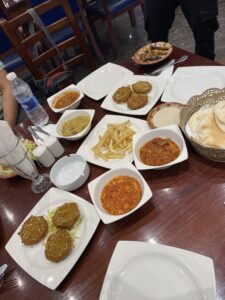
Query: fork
pixel 167 65
pixel 2 273
pixel 38 139
pixel 6 284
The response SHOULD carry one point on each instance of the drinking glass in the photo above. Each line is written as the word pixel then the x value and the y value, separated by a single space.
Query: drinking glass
pixel 19 161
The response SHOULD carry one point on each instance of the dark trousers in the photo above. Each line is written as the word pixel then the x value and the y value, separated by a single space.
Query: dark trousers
pixel 201 16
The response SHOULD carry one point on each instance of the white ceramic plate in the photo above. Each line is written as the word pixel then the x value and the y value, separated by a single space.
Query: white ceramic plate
pixel 73 105
pixel 171 131
pixel 158 85
pixel 187 82
pixel 95 189
pixel 93 138
pixel 32 258
pixel 98 84
pixel 140 270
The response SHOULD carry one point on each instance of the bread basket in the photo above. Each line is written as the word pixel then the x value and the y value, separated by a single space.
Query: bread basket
pixel 209 97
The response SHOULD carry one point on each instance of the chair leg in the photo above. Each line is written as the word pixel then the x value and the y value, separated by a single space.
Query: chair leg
pixel 92 33
pixel 132 17
pixel 113 36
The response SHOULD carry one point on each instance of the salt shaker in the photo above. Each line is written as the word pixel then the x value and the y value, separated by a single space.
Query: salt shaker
pixel 54 146
pixel 44 156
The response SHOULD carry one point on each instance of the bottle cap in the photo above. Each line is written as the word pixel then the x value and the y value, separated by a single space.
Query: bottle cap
pixel 11 76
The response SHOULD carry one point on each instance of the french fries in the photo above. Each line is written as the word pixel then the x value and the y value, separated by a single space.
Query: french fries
pixel 116 142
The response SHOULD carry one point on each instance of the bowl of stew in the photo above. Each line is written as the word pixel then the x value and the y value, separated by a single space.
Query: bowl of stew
pixel 118 193
pixel 74 124
pixel 159 148
pixel 68 98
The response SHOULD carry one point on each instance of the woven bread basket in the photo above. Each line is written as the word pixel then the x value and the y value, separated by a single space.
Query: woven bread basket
pixel 209 97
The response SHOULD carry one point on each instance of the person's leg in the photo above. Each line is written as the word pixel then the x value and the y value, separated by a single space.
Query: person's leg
pixel 159 18
pixel 203 23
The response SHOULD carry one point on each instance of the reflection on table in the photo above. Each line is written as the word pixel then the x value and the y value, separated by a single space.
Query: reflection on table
pixel 186 211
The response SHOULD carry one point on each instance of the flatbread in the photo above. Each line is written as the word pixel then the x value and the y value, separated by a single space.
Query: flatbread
pixel 219 112
pixel 220 125
pixel 205 129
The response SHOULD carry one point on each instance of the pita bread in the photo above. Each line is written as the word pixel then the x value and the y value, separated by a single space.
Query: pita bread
pixel 220 125
pixel 205 129
pixel 219 112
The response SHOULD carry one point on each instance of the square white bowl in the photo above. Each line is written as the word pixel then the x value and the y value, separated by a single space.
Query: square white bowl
pixel 172 132
pixel 69 114
pixel 73 105
pixel 95 188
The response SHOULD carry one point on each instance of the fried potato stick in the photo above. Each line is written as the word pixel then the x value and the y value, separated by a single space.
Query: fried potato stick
pixel 116 142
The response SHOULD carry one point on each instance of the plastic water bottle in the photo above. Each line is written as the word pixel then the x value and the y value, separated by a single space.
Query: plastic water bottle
pixel 25 97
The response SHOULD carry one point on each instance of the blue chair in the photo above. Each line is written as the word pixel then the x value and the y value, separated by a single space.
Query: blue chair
pixel 47 60
pixel 67 32
pixel 108 10
pixel 8 56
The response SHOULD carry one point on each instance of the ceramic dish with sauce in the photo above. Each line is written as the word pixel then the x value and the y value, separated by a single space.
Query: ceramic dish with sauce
pixel 97 186
pixel 171 133
pixel 68 98
pixel 164 114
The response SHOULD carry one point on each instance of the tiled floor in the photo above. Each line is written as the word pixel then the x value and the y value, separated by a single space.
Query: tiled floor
pixel 132 38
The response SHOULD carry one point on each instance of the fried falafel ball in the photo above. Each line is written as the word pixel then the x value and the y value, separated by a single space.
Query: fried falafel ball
pixel 66 215
pixel 137 101
pixel 122 94
pixel 33 230
pixel 58 246
pixel 142 87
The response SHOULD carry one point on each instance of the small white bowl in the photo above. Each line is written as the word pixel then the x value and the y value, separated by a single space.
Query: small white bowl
pixel 69 114
pixel 172 132
pixel 95 188
pixel 70 172
pixel 73 105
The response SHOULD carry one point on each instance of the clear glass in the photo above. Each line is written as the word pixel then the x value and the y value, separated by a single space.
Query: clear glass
pixel 18 160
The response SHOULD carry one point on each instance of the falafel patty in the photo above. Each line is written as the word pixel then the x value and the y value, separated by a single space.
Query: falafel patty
pixel 137 101
pixel 33 230
pixel 142 87
pixel 58 246
pixel 122 94
pixel 66 215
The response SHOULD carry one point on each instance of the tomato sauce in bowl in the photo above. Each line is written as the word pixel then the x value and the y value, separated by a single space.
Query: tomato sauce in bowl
pixel 121 194
pixel 66 99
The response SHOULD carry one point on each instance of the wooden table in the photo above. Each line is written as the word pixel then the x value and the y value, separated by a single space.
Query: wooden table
pixel 186 211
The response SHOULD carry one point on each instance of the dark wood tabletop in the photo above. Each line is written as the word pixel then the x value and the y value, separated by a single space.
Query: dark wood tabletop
pixel 186 211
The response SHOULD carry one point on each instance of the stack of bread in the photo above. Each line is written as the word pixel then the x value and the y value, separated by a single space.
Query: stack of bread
pixel 208 126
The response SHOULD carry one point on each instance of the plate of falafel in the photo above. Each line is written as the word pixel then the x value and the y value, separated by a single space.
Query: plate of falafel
pixel 135 95
pixel 52 237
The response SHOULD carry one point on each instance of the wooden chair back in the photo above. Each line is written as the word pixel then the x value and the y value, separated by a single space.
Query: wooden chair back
pixel 45 61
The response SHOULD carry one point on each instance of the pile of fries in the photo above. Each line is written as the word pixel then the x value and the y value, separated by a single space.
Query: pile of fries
pixel 116 142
